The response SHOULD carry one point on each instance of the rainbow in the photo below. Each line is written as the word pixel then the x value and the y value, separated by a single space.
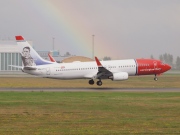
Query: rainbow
pixel 63 16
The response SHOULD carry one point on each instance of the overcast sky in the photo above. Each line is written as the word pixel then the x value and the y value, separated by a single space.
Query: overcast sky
pixel 122 28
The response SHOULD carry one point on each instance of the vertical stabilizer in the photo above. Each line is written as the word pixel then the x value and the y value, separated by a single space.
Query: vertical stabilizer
pixel 29 56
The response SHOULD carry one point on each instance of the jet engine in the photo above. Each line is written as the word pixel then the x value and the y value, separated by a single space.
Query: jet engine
pixel 119 76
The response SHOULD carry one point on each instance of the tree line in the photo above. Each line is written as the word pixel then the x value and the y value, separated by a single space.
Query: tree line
pixel 169 59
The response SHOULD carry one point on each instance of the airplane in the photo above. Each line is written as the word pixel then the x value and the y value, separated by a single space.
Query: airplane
pixel 115 70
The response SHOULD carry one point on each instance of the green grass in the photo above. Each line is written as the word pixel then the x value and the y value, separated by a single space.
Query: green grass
pixel 165 81
pixel 89 113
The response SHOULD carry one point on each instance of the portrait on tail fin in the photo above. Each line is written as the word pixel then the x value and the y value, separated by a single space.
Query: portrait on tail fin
pixel 26 57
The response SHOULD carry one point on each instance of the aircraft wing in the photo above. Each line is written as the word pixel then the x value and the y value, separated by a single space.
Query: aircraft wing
pixel 102 73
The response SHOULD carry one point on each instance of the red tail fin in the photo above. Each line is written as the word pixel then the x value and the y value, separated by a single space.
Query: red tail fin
pixel 19 38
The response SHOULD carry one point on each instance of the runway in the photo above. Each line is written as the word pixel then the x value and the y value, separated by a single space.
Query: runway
pixel 101 89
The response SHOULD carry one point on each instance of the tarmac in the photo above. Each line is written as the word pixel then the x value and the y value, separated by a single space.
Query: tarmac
pixel 90 89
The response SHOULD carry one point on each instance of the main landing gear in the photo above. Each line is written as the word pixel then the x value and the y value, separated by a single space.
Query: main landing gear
pixel 155 78
pixel 91 82
pixel 99 83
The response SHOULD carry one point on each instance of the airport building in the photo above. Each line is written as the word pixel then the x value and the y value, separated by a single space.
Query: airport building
pixel 9 55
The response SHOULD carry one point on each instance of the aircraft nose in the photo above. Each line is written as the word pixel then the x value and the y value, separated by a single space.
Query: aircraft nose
pixel 168 67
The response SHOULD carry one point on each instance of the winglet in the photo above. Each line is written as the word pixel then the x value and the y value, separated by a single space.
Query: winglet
pixel 19 38
pixel 98 62
pixel 51 58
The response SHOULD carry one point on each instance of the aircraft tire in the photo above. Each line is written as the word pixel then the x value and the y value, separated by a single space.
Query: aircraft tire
pixel 99 83
pixel 155 79
pixel 91 82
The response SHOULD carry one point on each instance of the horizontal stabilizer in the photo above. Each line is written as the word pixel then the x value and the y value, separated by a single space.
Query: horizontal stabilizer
pixel 16 66
pixel 29 68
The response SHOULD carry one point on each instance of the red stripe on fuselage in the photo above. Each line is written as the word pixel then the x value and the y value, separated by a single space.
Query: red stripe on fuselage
pixel 148 66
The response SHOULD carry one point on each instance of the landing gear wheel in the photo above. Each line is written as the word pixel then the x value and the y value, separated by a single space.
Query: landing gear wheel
pixel 99 83
pixel 155 78
pixel 91 82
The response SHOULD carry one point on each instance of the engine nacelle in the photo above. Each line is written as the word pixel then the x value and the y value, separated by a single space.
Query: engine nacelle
pixel 119 76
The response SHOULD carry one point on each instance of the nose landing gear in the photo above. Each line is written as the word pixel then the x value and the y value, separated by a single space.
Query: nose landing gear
pixel 155 78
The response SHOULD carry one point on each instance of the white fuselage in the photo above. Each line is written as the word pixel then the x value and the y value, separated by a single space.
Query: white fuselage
pixel 116 70
pixel 80 70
